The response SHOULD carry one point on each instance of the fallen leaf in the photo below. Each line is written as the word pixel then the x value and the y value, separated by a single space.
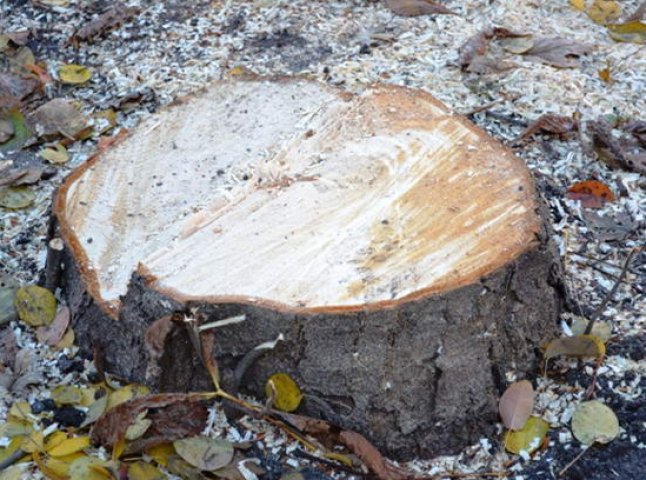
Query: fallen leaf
pixel 36 306
pixel 591 193
pixel 529 438
pixel 630 32
pixel 161 453
pixel 67 341
pixel 95 411
pixel 55 468
pixel 516 404
pixel 56 155
pixel 18 86
pixel 476 46
pixel 104 23
pixel 70 446
pixel 139 426
pixel 605 75
pixel 8 288
pixel 53 333
pixel 604 11
pixel 205 453
pixel 34 442
pixel 618 152
pixel 370 456
pixel 517 45
pixel 126 393
pixel 144 471
pixel 8 347
pixel 184 470
pixel 20 176
pixel 114 423
pixel 284 392
pixel 412 8
pixel 558 52
pixel 550 123
pixel 89 468
pixel 20 59
pixel 15 472
pixel 578 4
pixel 580 346
pixel 21 132
pixel 603 330
pixel 15 198
pixel 58 117
pixel 67 395
pixel 74 74
pixel 637 128
pixel 594 422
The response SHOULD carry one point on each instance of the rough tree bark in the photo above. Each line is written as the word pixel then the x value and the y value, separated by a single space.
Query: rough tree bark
pixel 398 249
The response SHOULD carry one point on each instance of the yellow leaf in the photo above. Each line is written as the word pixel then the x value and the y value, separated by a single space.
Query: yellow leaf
pixel 70 446
pixel 12 473
pixel 20 411
pixel 67 395
pixel 74 74
pixel 118 448
pixel 578 4
pixel 631 32
pixel 54 439
pixel 88 396
pixel 56 155
pixel 284 391
pixel 144 471
pixel 160 453
pixel 528 438
pixel 88 468
pixel 36 306
pixel 126 393
pixel 604 11
pixel 67 341
pixel 55 468
pixel 139 426
pixel 238 71
pixel 34 442
pixel 15 428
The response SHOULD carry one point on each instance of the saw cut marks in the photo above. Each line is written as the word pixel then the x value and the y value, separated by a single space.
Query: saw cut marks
pixel 301 197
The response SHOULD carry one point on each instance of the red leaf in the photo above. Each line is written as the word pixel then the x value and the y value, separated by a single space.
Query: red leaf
pixel 516 404
pixel 591 194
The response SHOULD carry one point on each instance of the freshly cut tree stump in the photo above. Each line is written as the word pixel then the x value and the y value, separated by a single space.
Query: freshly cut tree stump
pixel 398 249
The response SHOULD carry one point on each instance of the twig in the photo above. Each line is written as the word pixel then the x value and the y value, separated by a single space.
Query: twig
pixel 565 469
pixel 507 119
pixel 328 463
pixel 597 313
pixel 11 459
pixel 489 105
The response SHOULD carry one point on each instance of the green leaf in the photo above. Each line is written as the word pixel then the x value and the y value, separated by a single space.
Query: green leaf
pixel 15 198
pixel 631 32
pixel 594 422
pixel 36 306
pixel 205 453
pixel 284 392
pixel 8 289
pixel 21 132
pixel 528 438
pixel 56 155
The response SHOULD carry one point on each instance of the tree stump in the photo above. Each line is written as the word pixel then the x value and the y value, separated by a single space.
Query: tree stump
pixel 397 248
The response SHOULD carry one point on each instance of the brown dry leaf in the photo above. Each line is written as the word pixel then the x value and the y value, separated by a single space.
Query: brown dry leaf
pixel 413 8
pixel 53 333
pixel 18 86
pixel 155 336
pixel 356 443
pixel 484 65
pixel 477 45
pixel 558 52
pixel 550 123
pixel 516 404
pixel 604 11
pixel 113 424
pixel 104 23
pixel 8 347
pixel 605 75
pixel 591 193
pixel 618 152
pixel 58 117
pixel 20 176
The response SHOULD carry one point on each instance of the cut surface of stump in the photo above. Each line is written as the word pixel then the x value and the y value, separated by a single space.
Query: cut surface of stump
pixel 397 247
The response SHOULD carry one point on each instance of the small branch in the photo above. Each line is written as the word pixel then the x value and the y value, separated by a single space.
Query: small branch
pixel 11 459
pixel 328 463
pixel 565 469
pixel 597 313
